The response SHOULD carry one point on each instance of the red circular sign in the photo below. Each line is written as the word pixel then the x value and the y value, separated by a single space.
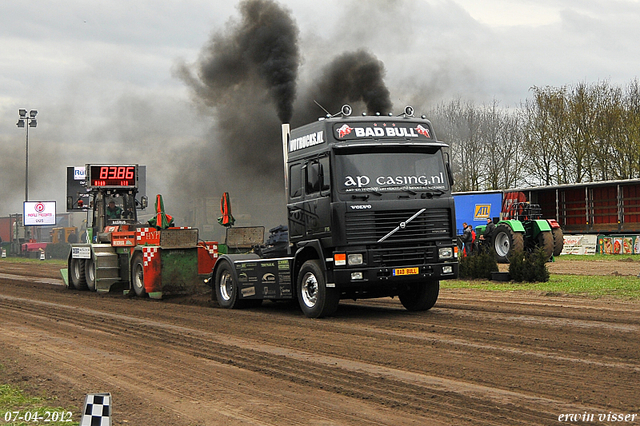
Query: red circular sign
pixel 39 207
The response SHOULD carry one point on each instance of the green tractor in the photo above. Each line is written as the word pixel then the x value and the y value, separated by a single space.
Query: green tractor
pixel 523 229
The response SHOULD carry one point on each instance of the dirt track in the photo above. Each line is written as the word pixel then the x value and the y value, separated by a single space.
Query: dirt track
pixel 475 358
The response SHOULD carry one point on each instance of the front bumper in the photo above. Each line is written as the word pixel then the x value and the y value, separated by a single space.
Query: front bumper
pixel 374 276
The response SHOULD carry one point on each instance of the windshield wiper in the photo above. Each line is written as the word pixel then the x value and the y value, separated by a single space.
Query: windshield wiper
pixel 429 191
pixel 366 196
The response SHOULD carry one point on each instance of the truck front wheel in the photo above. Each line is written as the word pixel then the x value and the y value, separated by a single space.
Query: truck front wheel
pixel 77 274
pixel 137 276
pixel 315 298
pixel 420 296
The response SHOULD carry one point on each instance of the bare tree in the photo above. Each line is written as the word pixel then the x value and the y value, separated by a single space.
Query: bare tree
pixel 458 124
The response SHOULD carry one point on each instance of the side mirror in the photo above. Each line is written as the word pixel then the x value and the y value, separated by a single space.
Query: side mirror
pixel 144 202
pixel 449 172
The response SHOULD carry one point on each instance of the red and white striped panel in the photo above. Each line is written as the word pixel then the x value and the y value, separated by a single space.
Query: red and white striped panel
pixel 148 253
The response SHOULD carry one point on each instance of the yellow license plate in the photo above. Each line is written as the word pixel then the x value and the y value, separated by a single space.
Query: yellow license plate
pixel 406 271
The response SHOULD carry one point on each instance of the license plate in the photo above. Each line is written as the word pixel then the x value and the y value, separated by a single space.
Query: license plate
pixel 406 271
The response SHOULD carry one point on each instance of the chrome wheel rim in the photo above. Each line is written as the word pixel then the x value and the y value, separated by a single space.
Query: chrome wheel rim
pixel 138 277
pixel 90 270
pixel 309 289
pixel 226 286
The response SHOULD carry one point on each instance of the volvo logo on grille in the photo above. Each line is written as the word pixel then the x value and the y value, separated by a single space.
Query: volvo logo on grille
pixel 361 207
pixel 401 225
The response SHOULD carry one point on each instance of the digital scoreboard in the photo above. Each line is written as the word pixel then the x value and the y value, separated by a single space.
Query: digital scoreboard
pixel 112 176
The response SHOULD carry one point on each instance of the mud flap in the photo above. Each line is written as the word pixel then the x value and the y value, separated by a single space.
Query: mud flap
pixel 65 276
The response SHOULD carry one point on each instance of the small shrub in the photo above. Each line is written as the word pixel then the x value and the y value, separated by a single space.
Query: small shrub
pixel 529 267
pixel 479 265
pixel 517 266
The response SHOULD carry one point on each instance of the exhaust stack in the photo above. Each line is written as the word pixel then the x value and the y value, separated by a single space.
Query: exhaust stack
pixel 286 133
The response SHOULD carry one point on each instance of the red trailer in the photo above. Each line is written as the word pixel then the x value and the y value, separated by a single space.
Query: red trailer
pixel 608 207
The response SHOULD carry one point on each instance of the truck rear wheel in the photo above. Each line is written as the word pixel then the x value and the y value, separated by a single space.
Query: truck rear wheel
pixel 90 274
pixel 226 288
pixel 420 296
pixel 137 276
pixel 77 274
pixel 506 241
pixel 558 241
pixel 315 298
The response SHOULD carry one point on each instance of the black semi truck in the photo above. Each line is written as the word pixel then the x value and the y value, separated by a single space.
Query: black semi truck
pixel 370 214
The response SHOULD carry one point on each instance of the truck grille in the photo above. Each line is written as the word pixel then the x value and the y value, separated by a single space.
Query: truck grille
pixel 369 227
pixel 404 256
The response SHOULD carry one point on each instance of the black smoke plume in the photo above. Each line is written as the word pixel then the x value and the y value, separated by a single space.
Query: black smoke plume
pixel 247 77
pixel 262 46
pixel 353 77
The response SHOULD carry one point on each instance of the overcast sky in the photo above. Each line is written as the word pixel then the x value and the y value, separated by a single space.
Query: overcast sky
pixel 102 74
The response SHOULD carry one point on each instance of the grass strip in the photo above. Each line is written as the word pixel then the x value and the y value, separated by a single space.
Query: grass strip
pixel 18 409
pixel 623 287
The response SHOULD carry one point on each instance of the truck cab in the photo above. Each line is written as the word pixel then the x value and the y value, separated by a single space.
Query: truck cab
pixel 370 214
pixel 370 199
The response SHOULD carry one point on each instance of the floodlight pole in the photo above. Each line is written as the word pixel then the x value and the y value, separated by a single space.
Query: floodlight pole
pixel 27 121
pixel 26 167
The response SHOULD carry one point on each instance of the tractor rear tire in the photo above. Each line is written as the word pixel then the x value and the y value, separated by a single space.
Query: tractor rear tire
pixel 90 274
pixel 545 240
pixel 558 241
pixel 506 241
pixel 420 296
pixel 315 298
pixel 77 274
pixel 137 276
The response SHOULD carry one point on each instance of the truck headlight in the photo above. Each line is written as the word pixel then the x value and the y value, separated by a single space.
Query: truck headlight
pixel 445 253
pixel 356 259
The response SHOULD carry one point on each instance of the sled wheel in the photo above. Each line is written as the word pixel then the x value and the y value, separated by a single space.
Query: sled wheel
pixel 137 276
pixel 76 274
pixel 90 274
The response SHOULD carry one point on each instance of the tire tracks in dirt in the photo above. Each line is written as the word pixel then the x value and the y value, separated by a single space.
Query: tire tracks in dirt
pixel 412 392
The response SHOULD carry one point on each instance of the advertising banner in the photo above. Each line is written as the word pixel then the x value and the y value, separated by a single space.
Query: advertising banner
pixel 37 213
pixel 580 244
pixel 619 244
pixel 474 209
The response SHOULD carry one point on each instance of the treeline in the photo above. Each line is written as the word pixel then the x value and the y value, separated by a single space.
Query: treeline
pixel 571 134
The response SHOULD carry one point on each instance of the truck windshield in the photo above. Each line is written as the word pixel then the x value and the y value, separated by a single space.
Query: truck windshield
pixel 390 171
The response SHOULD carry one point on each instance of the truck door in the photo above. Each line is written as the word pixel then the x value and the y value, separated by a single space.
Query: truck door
pixel 309 208
pixel 295 205
pixel 317 204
